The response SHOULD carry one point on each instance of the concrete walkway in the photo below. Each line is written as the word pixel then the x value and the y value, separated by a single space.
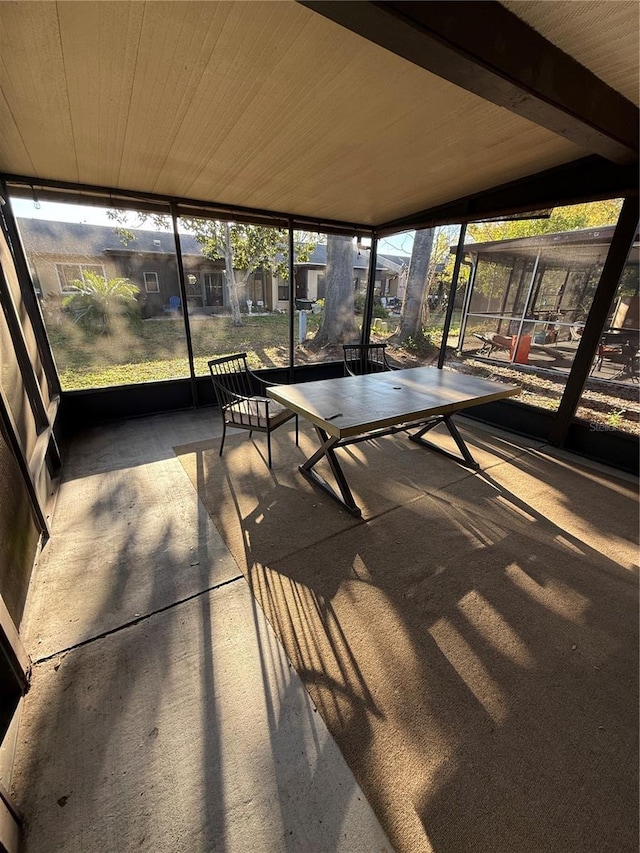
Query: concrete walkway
pixel 164 714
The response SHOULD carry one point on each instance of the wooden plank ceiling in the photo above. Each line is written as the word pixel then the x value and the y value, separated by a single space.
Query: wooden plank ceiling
pixel 270 105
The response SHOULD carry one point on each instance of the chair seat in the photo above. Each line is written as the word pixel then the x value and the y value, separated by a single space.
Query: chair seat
pixel 254 411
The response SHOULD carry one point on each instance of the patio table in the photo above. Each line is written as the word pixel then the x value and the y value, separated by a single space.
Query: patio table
pixel 352 409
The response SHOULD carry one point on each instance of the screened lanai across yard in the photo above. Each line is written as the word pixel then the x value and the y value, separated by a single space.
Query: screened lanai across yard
pixel 540 289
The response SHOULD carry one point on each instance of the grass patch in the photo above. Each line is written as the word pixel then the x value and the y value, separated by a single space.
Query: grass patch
pixel 154 350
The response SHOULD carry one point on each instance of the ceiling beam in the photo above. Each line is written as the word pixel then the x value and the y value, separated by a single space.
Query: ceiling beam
pixel 588 179
pixel 484 48
pixel 47 189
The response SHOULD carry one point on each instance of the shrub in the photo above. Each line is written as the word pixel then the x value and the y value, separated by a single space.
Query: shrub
pixel 98 303
pixel 378 309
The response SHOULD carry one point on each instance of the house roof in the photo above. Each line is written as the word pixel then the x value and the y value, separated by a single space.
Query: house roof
pixel 360 259
pixel 44 237
pixel 582 246
pixel 354 113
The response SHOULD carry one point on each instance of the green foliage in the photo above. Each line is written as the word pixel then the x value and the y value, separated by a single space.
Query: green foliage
pixel 421 345
pixel 378 308
pixel 98 303
pixel 358 303
pixel 615 419
pixel 445 237
pixel 569 218
pixel 628 285
pixel 253 246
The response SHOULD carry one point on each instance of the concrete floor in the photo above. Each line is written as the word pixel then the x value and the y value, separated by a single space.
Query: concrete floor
pixel 163 713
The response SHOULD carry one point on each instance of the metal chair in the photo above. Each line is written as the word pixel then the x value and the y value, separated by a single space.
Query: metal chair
pixel 624 356
pixel 241 403
pixel 360 359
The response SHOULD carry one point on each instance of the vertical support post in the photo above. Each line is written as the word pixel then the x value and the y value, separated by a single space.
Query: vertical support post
pixel 27 374
pixel 292 303
pixel 560 293
pixel 183 296
pixel 452 296
pixel 28 292
pixel 621 244
pixel 503 304
pixel 365 333
pixel 467 300
pixel 527 300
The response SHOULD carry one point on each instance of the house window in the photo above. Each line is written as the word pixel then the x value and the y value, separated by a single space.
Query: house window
pixel 151 283
pixel 68 273
pixel 283 291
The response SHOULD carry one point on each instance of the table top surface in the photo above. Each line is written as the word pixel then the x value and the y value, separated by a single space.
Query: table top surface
pixel 353 405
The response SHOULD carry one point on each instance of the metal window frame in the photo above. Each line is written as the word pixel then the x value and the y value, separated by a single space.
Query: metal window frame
pixel 146 289
pixel 609 182
pixel 619 249
pixel 81 267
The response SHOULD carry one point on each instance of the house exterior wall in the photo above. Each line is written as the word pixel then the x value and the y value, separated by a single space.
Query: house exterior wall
pixel 135 265
pixel 313 278
pixel 205 283
pixel 278 286
pixel 44 269
pixel 311 284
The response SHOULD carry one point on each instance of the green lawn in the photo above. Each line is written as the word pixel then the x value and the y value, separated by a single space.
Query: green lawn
pixel 156 349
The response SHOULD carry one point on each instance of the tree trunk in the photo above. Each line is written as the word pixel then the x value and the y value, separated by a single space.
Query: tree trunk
pixel 232 287
pixel 338 320
pixel 414 305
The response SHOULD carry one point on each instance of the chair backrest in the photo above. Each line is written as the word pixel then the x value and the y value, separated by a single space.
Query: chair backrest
pixel 174 302
pixel 360 359
pixel 231 379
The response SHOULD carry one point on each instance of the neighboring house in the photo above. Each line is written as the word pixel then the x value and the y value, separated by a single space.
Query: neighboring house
pixel 59 252
pixel 311 276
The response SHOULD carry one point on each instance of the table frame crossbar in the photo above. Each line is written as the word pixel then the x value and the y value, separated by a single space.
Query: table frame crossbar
pixel 329 444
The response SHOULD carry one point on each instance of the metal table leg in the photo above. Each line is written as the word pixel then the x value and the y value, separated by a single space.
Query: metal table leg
pixel 465 457
pixel 345 498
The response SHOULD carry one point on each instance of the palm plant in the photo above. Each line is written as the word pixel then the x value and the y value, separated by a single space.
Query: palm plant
pixel 98 301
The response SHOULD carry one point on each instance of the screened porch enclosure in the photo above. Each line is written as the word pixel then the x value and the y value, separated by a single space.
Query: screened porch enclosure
pixel 529 298
pixel 264 146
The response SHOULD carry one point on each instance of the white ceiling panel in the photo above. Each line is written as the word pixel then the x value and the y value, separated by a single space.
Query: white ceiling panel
pixel 257 104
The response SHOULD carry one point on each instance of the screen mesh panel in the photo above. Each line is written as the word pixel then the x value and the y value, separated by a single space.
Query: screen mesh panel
pixel 11 277
pixel 18 535
pixel 14 390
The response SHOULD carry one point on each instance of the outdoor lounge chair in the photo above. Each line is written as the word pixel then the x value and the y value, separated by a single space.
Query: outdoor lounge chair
pixel 173 307
pixel 492 342
pixel 240 395
pixel 365 358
